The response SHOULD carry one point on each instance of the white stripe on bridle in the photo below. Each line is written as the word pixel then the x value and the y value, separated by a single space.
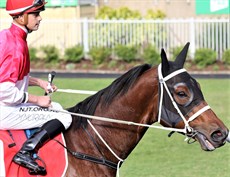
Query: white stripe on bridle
pixel 162 81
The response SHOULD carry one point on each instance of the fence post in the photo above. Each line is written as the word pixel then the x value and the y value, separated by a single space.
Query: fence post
pixel 192 37
pixel 85 35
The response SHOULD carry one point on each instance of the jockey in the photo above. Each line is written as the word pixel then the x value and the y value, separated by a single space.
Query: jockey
pixel 18 108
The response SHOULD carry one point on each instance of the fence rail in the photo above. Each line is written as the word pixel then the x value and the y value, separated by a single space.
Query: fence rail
pixel 167 33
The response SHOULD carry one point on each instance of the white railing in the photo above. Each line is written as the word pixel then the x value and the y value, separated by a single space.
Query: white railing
pixel 167 33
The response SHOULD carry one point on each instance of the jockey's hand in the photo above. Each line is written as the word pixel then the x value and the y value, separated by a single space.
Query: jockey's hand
pixel 49 88
pixel 44 101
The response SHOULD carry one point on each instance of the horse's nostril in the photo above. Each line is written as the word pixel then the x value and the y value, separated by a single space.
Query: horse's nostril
pixel 218 135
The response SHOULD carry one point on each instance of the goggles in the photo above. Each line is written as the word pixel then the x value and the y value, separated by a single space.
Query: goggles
pixel 36 3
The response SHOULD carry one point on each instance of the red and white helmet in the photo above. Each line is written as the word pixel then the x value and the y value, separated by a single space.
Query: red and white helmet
pixel 16 7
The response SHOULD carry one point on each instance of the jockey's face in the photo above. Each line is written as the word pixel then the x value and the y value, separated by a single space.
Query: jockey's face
pixel 34 20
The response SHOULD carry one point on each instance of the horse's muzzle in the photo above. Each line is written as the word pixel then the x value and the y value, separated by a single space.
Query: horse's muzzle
pixel 217 139
pixel 204 142
pixel 219 136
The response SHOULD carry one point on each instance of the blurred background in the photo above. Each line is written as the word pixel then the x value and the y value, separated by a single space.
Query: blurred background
pixel 75 30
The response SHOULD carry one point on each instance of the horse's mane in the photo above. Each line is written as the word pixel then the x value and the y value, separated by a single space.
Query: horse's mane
pixel 117 88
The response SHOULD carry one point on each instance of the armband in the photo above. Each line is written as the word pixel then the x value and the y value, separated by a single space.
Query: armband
pixel 25 97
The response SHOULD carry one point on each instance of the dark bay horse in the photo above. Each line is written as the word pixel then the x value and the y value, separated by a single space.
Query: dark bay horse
pixel 145 95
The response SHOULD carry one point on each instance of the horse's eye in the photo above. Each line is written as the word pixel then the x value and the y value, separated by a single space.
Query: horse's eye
pixel 182 94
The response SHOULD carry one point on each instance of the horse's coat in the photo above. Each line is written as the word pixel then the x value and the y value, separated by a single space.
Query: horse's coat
pixel 134 97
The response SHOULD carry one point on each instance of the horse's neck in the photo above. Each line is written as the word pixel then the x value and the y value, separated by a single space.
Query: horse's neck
pixel 138 105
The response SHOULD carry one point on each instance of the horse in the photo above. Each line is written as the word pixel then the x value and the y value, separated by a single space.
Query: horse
pixel 143 95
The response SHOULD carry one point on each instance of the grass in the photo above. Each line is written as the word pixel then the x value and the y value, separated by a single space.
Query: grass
pixel 157 155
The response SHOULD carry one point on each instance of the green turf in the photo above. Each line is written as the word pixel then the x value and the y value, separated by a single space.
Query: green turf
pixel 157 155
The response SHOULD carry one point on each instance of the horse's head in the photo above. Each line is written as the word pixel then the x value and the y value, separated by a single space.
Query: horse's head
pixel 183 106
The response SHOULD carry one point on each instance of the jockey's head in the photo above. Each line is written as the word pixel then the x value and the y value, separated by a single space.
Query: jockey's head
pixel 21 8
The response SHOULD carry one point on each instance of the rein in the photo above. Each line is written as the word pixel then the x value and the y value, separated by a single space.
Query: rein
pixel 188 130
pixel 162 80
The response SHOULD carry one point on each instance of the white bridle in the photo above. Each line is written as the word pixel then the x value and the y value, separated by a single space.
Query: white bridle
pixel 162 81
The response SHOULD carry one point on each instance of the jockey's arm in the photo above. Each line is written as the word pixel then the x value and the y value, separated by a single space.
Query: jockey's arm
pixel 41 83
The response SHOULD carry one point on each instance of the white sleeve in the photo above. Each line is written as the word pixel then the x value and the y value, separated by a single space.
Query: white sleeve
pixel 11 95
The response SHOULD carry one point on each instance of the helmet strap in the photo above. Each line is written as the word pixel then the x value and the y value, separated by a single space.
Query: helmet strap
pixel 29 30
pixel 23 21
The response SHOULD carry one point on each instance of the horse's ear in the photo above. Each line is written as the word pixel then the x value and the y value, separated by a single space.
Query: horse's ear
pixel 180 59
pixel 164 63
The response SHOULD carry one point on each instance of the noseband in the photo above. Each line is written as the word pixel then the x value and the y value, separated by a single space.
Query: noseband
pixel 188 130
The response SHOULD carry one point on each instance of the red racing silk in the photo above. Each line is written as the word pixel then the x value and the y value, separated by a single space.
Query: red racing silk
pixel 14 65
